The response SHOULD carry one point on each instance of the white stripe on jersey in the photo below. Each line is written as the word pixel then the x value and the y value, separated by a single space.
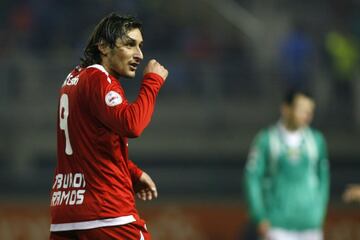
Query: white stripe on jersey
pixel 141 236
pixel 92 224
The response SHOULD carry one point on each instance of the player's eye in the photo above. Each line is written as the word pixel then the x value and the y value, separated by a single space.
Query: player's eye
pixel 131 44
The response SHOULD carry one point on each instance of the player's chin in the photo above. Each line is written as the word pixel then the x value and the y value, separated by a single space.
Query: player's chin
pixel 131 73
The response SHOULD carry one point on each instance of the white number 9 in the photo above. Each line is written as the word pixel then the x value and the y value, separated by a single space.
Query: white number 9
pixel 63 115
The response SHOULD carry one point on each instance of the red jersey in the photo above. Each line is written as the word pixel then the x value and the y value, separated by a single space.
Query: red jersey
pixel 93 183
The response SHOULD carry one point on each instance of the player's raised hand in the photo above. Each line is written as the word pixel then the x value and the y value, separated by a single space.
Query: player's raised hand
pixel 155 67
pixel 145 188
pixel 352 193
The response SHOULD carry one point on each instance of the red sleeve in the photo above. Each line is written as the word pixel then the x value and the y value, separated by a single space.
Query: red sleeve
pixel 135 171
pixel 109 104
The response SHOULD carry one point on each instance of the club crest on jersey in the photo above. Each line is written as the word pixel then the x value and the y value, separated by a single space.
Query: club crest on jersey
pixel 113 98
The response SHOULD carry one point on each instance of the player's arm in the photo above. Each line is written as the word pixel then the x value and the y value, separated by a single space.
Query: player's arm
pixel 323 171
pixel 135 171
pixel 144 186
pixel 128 119
pixel 138 114
pixel 253 176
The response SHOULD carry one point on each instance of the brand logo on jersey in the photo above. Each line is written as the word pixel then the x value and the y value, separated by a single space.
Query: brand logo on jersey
pixel 113 98
pixel 70 80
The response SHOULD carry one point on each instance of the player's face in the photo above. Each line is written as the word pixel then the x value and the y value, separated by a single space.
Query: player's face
pixel 124 58
pixel 300 114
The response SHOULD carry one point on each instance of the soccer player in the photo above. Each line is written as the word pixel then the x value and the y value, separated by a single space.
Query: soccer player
pixel 93 194
pixel 287 175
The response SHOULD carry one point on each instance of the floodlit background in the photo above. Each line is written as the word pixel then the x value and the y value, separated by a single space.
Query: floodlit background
pixel 229 62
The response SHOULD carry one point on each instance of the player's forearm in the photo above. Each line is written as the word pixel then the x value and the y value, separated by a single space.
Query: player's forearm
pixel 324 184
pixel 134 170
pixel 254 197
pixel 139 113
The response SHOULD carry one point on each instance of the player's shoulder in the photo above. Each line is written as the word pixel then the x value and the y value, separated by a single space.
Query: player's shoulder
pixel 263 135
pixel 72 78
pixel 266 131
pixel 314 130
pixel 97 73
pixel 316 133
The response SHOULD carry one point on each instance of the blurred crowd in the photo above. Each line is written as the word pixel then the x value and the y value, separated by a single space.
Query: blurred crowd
pixel 207 54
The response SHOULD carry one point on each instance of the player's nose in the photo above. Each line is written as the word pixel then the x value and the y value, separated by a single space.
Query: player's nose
pixel 139 55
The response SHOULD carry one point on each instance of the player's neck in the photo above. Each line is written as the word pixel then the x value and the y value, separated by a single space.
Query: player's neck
pixel 107 67
pixel 289 126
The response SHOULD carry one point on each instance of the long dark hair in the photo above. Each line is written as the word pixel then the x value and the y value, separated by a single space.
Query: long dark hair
pixel 291 94
pixel 109 29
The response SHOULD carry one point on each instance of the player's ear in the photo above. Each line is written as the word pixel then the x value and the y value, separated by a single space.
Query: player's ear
pixel 103 47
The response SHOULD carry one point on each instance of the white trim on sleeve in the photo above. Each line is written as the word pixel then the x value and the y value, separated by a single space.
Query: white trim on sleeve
pixel 92 224
pixel 101 68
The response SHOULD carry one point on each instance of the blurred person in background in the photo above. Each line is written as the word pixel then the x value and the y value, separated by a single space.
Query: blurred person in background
pixel 342 51
pixel 93 194
pixel 297 57
pixel 287 175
